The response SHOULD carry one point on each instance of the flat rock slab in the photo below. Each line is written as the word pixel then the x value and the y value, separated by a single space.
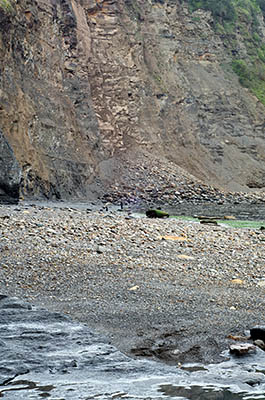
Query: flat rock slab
pixel 43 352
pixel 46 355
pixel 33 339
pixel 241 349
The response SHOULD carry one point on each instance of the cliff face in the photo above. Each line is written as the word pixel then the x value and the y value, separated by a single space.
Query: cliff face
pixel 47 113
pixel 87 84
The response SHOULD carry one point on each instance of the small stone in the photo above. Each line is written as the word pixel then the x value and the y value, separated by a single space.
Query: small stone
pixel 208 222
pixel 185 257
pixel 237 281
pixel 5 216
pixel 241 349
pixel 100 250
pixel 133 288
pixel 260 344
pixel 177 238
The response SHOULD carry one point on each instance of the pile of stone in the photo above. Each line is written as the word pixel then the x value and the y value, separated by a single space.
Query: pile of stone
pixel 158 183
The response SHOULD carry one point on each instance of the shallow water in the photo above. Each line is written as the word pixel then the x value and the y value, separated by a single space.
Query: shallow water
pixel 238 378
pixel 240 211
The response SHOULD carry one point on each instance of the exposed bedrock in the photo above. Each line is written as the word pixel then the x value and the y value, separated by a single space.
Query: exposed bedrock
pixel 85 81
pixel 10 173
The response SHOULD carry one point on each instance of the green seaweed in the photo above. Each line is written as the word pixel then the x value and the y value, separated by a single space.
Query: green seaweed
pixel 235 223
pixel 156 214
pixel 243 224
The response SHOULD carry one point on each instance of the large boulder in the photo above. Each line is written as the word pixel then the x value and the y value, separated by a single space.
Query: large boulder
pixel 258 333
pixel 156 214
pixel 10 173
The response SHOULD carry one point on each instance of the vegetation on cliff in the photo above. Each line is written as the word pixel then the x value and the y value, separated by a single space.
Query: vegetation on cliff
pixel 239 23
pixel 222 10
pixel 5 5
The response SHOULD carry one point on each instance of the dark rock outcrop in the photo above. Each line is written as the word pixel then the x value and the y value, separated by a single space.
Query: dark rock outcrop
pixel 10 173
pixel 156 214
pixel 258 332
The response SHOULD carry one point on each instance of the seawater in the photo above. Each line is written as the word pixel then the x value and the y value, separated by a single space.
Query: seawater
pixel 236 378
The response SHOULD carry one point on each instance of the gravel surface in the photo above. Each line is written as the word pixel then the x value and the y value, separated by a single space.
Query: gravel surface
pixel 168 289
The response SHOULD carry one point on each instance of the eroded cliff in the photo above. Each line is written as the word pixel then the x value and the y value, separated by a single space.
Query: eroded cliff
pixel 93 90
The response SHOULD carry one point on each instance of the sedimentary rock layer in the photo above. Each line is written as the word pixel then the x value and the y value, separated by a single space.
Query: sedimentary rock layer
pixel 89 81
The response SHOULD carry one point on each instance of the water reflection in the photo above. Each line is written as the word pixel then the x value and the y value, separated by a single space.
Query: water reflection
pixel 27 385
pixel 199 393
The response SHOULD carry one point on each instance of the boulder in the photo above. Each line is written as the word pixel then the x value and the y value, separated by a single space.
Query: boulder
pixel 258 332
pixel 241 349
pixel 260 344
pixel 156 214
pixel 229 217
pixel 10 173
pixel 206 218
pixel 208 221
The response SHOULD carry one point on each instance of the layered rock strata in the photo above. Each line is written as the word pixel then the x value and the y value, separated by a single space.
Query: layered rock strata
pixel 88 82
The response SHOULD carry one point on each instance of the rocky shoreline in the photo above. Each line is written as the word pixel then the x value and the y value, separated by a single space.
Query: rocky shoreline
pixel 46 354
pixel 168 289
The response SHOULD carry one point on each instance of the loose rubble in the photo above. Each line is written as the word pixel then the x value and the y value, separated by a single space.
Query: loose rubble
pixel 153 182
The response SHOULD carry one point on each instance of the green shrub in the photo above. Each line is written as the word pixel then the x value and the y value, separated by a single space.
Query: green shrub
pixel 261 54
pixel 256 37
pixel 241 69
pixel 251 76
pixel 236 20
pixel 261 4
pixel 221 10
pixel 6 5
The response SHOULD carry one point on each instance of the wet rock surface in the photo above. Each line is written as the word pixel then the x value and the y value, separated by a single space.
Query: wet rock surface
pixel 43 343
pixel 45 354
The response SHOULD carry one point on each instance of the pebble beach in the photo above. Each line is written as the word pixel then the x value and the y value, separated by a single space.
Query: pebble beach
pixel 167 289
